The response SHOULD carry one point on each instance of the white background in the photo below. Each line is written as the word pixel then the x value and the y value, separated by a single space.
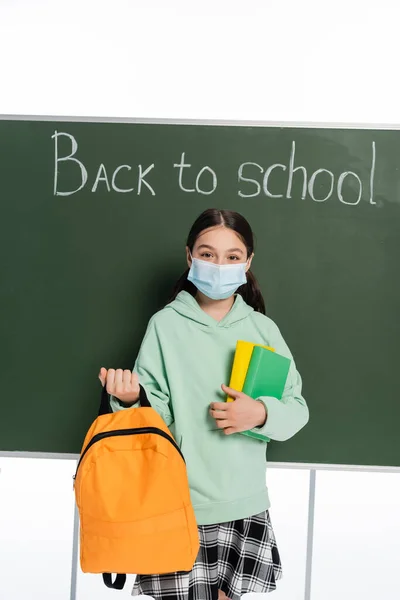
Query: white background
pixel 222 59
pixel 291 61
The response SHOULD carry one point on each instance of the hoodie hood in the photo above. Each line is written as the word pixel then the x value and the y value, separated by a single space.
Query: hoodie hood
pixel 187 306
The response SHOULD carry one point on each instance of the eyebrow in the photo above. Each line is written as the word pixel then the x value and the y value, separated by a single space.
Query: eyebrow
pixel 211 248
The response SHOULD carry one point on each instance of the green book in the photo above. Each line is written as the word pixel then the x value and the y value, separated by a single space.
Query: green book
pixel 266 376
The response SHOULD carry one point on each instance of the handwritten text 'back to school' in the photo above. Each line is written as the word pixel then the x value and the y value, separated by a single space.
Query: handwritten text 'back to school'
pixel 253 179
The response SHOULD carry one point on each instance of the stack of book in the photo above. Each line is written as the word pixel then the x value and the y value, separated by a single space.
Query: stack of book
pixel 258 371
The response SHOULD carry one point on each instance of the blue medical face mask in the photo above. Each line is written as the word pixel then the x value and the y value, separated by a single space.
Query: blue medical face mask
pixel 217 282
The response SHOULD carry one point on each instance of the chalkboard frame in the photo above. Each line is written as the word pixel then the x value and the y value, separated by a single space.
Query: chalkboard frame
pixel 312 467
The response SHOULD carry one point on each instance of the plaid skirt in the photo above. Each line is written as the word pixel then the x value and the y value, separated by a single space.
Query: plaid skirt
pixel 237 557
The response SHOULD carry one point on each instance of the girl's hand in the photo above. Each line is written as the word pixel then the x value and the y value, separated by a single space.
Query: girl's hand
pixel 241 415
pixel 124 385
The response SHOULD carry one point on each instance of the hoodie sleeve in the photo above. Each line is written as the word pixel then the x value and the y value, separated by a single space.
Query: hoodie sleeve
pixel 150 368
pixel 287 416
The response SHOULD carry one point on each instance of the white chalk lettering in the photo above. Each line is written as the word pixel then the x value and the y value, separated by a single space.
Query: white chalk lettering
pixel 114 185
pixel 182 165
pixel 141 179
pixel 312 182
pixel 101 176
pixel 372 176
pixel 293 170
pixel 70 158
pixel 214 181
pixel 272 180
pixel 340 185
pixel 266 177
pixel 249 180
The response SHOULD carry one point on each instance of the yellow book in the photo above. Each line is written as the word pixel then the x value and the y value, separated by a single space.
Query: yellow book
pixel 241 363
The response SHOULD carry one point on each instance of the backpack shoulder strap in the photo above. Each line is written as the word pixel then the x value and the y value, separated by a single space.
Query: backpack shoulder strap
pixel 119 582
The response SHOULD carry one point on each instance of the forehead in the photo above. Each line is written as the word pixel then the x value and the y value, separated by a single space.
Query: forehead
pixel 221 238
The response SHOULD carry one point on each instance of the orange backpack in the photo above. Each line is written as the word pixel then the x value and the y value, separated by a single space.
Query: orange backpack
pixel 132 493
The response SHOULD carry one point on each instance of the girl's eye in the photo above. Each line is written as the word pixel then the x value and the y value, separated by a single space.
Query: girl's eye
pixel 206 255
pixel 233 258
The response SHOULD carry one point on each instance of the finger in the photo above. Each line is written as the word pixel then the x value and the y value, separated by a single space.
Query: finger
pixel 127 377
pixel 231 392
pixel 223 424
pixel 111 381
pixel 103 376
pixel 219 406
pixel 229 431
pixel 218 414
pixel 135 381
pixel 119 381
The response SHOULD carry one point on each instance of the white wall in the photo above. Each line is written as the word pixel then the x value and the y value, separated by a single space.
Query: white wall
pixel 212 59
pixel 222 59
pixel 356 538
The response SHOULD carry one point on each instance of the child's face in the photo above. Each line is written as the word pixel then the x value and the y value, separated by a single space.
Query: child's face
pixel 221 246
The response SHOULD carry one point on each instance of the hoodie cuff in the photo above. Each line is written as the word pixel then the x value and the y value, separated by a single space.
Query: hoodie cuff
pixel 261 432
pixel 117 405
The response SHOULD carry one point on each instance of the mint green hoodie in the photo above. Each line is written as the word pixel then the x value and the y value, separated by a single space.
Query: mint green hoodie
pixel 185 357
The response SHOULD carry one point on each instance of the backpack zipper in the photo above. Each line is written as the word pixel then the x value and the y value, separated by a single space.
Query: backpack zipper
pixel 132 431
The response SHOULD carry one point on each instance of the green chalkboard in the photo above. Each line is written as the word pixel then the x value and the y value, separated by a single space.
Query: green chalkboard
pixel 94 219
